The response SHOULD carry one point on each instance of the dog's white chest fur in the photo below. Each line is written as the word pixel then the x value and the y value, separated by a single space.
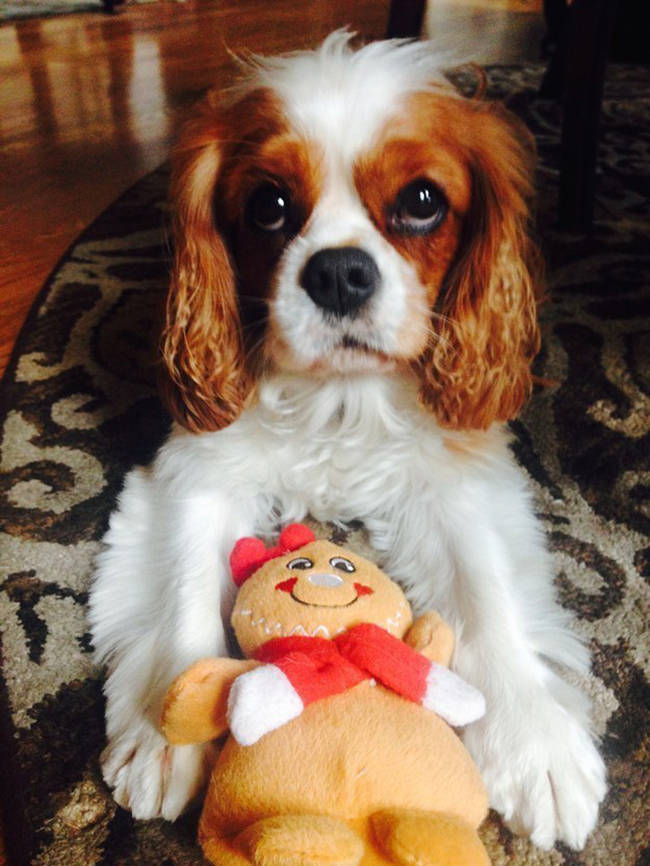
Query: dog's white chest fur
pixel 341 450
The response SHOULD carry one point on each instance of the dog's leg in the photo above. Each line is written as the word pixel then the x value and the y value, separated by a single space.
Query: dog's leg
pixel 161 589
pixel 534 747
pixel 479 555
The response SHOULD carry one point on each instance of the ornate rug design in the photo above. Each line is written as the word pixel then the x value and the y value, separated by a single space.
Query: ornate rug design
pixel 79 409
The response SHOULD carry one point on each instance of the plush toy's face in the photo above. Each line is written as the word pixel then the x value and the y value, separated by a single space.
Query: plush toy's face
pixel 319 590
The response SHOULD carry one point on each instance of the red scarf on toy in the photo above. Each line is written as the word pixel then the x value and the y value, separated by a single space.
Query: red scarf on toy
pixel 296 671
pixel 318 668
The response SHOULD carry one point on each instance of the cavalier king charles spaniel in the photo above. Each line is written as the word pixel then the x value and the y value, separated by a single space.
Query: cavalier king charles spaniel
pixel 350 322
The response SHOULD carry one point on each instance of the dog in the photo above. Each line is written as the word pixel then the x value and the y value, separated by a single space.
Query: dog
pixel 351 321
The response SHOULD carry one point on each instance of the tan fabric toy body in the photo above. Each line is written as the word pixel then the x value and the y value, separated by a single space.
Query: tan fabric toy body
pixel 360 776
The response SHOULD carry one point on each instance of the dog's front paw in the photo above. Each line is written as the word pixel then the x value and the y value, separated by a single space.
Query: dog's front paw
pixel 149 777
pixel 546 778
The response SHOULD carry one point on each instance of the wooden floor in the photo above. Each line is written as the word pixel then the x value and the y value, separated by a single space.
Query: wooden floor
pixel 89 102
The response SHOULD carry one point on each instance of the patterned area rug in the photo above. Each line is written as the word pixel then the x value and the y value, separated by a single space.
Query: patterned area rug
pixel 79 409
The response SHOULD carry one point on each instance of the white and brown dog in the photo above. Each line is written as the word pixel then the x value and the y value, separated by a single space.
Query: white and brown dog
pixel 351 319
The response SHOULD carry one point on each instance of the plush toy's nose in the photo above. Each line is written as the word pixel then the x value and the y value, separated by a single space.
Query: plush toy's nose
pixel 325 579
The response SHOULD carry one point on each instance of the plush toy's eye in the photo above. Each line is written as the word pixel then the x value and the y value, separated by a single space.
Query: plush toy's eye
pixel 301 562
pixel 342 564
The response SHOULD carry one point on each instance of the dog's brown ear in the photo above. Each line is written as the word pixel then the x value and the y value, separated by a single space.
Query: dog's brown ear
pixel 484 333
pixel 204 382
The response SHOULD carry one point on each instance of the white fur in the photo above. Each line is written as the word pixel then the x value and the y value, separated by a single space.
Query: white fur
pixel 448 513
pixel 337 94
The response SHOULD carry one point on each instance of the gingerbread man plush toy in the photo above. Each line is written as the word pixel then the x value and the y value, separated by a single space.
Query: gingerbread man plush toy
pixel 340 749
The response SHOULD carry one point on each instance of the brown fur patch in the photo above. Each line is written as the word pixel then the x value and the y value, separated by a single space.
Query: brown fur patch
pixel 479 265
pixel 207 351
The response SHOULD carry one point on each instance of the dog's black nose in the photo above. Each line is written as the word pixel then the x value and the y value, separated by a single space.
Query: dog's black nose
pixel 340 280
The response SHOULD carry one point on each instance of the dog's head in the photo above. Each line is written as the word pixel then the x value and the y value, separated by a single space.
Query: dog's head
pixel 346 211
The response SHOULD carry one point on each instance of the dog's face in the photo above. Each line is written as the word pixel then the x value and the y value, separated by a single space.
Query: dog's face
pixel 347 233
pixel 348 212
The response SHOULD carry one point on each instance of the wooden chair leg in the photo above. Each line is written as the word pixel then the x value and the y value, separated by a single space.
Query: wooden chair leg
pixel 589 28
pixel 405 18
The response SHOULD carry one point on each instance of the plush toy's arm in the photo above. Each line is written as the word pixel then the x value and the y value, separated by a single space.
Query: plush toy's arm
pixel 194 709
pixel 408 673
pixel 432 637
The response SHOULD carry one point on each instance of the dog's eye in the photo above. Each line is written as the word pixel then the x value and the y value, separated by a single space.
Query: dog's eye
pixel 342 564
pixel 268 208
pixel 301 562
pixel 419 208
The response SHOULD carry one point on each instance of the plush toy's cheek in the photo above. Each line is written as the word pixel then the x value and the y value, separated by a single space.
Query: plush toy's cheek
pixel 287 585
pixel 362 589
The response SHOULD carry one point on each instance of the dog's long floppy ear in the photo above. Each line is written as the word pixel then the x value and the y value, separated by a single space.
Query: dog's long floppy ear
pixel 484 335
pixel 204 382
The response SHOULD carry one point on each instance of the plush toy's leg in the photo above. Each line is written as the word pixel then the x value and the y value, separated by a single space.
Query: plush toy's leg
pixel 301 840
pixel 222 852
pixel 408 838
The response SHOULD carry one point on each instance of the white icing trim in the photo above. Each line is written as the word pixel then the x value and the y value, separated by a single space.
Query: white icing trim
pixel 320 629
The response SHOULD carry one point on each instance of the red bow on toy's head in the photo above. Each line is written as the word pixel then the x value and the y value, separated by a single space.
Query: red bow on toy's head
pixel 249 554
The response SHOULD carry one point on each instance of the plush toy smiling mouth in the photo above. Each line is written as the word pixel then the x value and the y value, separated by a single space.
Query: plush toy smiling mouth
pixel 323 589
